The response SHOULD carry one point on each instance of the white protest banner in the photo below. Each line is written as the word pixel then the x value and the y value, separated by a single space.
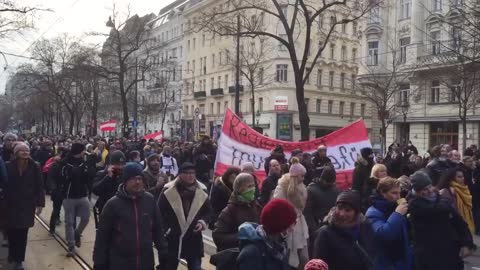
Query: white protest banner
pixel 239 143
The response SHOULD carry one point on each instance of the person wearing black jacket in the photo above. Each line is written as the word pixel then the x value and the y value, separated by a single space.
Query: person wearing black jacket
pixel 55 183
pixel 321 160
pixel 8 143
pixel 322 195
pixel 76 185
pixel 106 182
pixel 440 235
pixel 129 224
pixel 271 182
pixel 24 197
pixel 185 210
pixel 204 159
pixel 346 242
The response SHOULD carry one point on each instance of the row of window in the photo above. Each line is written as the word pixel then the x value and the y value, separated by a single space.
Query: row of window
pixel 282 76
pixel 167 55
pixel 405 8
pixel 216 108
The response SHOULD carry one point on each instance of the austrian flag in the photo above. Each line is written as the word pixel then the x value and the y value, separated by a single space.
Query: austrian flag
pixel 110 125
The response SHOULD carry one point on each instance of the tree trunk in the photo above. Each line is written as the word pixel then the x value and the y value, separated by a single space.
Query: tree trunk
pixel 302 110
pixel 384 136
pixel 253 105
pixel 72 122
pixel 464 131
pixel 94 112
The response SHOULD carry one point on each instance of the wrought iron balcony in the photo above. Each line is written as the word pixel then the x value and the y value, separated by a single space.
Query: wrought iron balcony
pixel 216 92
pixel 200 94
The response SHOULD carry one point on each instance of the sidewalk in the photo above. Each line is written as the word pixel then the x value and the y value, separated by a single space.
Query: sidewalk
pixel 43 252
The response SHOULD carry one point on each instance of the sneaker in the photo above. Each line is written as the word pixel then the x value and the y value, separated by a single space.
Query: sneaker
pixel 78 240
pixel 18 266
pixel 71 252
pixel 51 233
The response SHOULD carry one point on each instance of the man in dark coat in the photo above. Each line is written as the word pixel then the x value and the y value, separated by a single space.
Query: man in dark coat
pixel 204 160
pixel 439 164
pixel 106 182
pixel 320 160
pixel 346 242
pixel 24 196
pixel 322 195
pixel 129 224
pixel 271 182
pixel 278 155
pixel 441 236
pixel 185 210
pixel 361 175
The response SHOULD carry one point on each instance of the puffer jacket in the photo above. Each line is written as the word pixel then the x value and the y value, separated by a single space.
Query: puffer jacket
pixel 260 252
pixel 391 236
pixel 225 234
pixel 128 227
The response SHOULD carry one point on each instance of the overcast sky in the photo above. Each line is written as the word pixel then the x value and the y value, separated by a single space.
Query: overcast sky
pixel 75 17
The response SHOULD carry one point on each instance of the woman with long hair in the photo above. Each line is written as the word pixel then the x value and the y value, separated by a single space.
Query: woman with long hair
pixel 292 188
pixel 453 189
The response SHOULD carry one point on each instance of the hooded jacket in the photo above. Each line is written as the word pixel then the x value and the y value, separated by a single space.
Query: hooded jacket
pixel 259 252
pixel 128 227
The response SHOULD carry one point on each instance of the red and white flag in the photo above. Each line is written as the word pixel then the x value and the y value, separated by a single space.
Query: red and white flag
pixel 110 125
pixel 157 136
pixel 239 143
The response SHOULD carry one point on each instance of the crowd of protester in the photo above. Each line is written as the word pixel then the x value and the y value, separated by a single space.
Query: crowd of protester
pixel 403 211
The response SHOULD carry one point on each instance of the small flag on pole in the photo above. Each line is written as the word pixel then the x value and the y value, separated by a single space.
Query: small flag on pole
pixel 157 136
pixel 110 125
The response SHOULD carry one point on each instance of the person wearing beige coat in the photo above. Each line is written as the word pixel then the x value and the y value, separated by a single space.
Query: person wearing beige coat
pixel 291 188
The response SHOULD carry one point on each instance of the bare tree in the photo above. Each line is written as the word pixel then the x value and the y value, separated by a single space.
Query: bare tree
pixel 454 62
pixel 294 24
pixel 16 18
pixel 121 63
pixel 255 61
pixel 387 88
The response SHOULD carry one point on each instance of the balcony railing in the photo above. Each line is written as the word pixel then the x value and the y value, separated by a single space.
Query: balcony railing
pixel 216 92
pixel 200 94
pixel 231 89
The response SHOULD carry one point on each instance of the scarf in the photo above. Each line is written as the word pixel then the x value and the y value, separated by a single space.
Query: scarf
pixel 463 202
pixel 22 165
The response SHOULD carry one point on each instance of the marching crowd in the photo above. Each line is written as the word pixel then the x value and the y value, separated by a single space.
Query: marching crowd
pixel 404 211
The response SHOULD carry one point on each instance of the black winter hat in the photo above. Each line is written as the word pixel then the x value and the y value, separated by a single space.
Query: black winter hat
pixel 366 152
pixel 76 149
pixel 132 169
pixel 351 198
pixel 187 166
pixel 117 157
pixel 420 180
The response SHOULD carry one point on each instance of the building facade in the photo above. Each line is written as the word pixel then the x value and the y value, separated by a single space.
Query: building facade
pixel 421 41
pixel 209 81
pixel 160 94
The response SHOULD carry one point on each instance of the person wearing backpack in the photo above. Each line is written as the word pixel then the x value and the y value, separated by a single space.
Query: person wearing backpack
pixel 76 177
pixel 168 163
pixel 263 247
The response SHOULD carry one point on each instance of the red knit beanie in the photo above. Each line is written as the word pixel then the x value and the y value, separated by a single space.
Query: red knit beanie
pixel 316 264
pixel 277 216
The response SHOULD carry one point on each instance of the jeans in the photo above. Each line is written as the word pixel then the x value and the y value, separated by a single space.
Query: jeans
pixel 57 206
pixel 75 208
pixel 17 244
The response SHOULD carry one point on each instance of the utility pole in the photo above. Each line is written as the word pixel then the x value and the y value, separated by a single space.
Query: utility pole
pixel 237 75
pixel 135 104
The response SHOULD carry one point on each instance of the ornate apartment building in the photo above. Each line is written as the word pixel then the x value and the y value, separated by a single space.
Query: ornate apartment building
pixel 160 94
pixel 209 80
pixel 425 43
